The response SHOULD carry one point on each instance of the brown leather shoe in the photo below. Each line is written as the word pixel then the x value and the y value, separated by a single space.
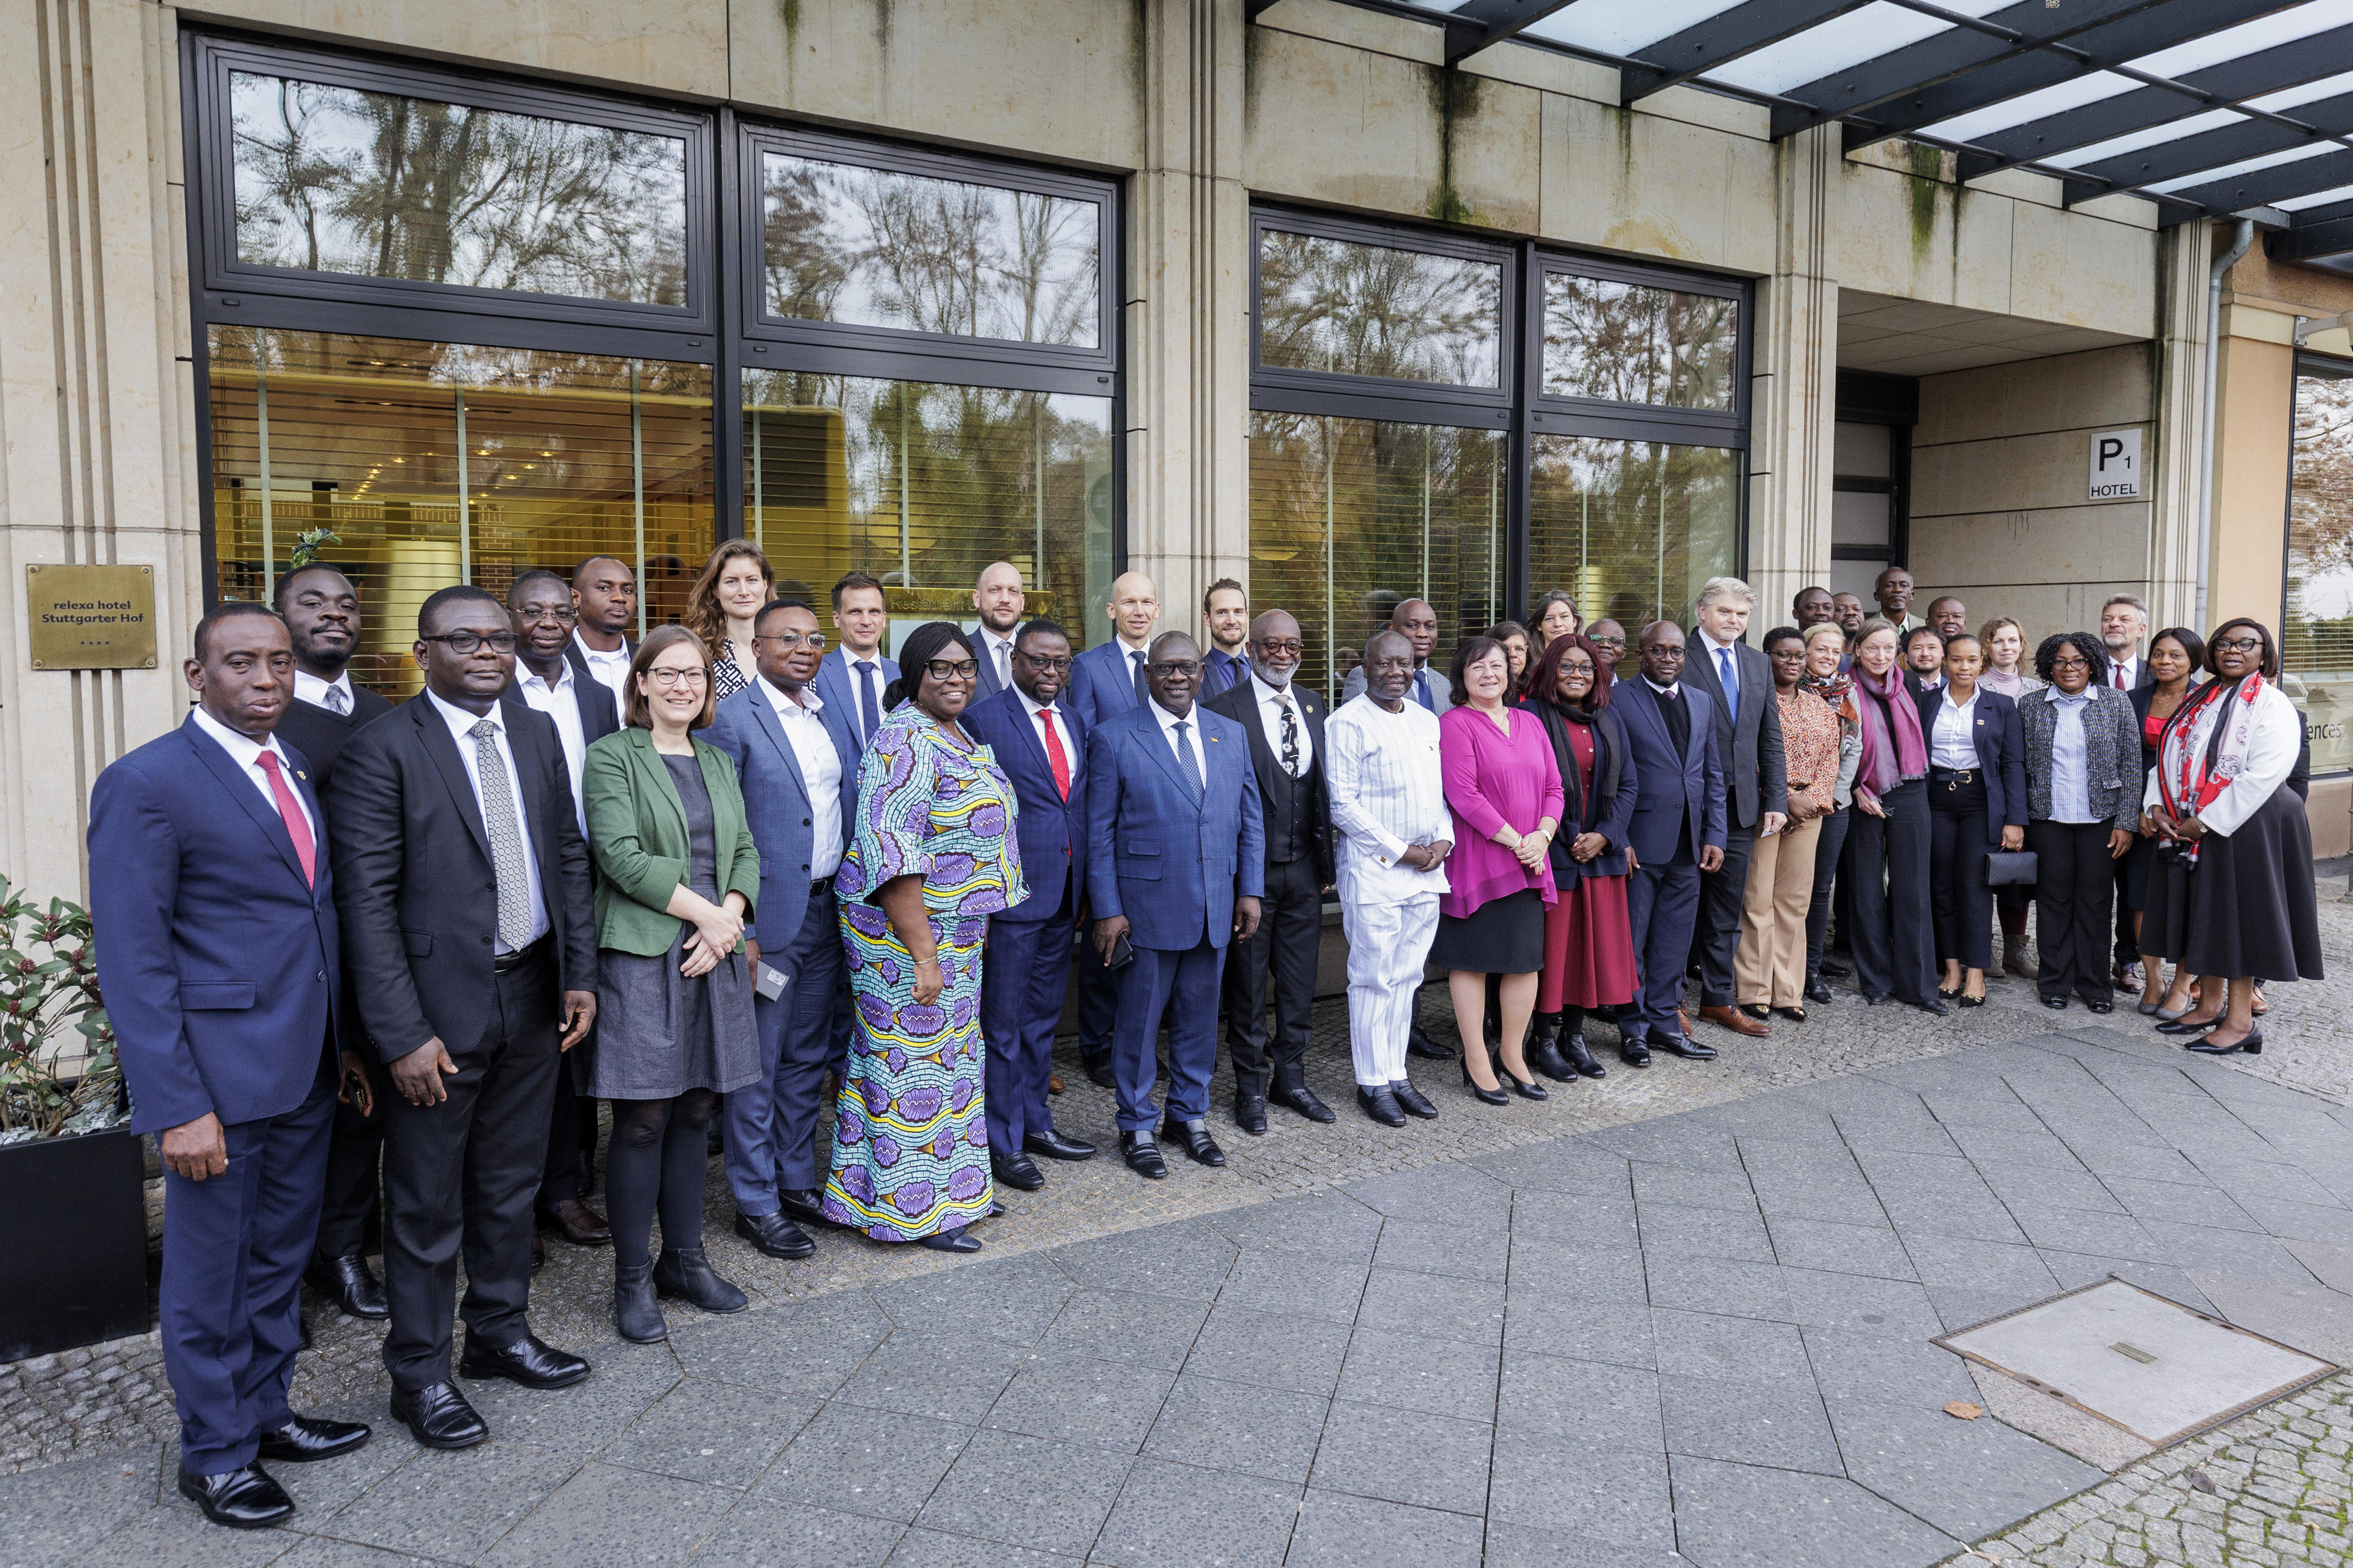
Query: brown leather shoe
pixel 1734 1019
pixel 538 1252
pixel 1054 1083
pixel 577 1223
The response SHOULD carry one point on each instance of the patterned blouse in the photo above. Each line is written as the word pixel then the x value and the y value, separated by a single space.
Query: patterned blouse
pixel 1810 741
pixel 726 675
pixel 935 804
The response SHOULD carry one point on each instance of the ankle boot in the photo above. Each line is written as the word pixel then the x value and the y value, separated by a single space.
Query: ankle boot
pixel 1543 1055
pixel 635 1314
pixel 2013 955
pixel 684 1272
pixel 1573 1046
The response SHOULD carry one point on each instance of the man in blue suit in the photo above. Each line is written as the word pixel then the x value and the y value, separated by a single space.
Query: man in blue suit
pixel 220 957
pixel 797 758
pixel 1042 748
pixel 1106 682
pixel 1224 610
pixel 1678 833
pixel 998 601
pixel 1175 864
pixel 853 676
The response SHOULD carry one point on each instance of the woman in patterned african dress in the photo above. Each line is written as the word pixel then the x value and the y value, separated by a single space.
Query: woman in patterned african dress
pixel 934 856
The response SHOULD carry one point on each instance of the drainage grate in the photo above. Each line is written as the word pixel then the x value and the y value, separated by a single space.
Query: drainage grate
pixel 2153 1367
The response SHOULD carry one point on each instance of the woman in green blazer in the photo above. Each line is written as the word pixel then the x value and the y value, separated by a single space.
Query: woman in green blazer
pixel 676 875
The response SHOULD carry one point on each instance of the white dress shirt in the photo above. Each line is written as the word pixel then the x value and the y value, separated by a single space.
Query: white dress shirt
pixel 1270 704
pixel 997 651
pixel 559 704
pixel 2123 674
pixel 247 754
pixel 820 771
pixel 613 669
pixel 1061 733
pixel 309 688
pixel 1953 741
pixel 461 724
pixel 1192 737
pixel 1387 795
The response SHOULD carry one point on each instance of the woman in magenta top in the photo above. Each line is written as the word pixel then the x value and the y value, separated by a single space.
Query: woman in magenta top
pixel 1503 786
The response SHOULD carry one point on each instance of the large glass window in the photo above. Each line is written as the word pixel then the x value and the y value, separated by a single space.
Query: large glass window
pixel 1329 304
pixel 2318 624
pixel 1632 529
pixel 1624 342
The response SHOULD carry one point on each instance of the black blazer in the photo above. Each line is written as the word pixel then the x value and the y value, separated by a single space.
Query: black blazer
pixel 320 735
pixel 1240 703
pixel 591 696
pixel 1755 773
pixel 2001 755
pixel 413 879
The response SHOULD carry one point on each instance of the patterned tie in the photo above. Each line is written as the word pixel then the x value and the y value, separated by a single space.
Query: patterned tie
pixel 1289 736
pixel 337 703
pixel 1731 679
pixel 1192 764
pixel 290 812
pixel 506 837
pixel 1056 757
pixel 868 715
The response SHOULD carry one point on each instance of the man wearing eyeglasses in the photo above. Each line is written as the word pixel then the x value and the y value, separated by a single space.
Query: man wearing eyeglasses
pixel 461 881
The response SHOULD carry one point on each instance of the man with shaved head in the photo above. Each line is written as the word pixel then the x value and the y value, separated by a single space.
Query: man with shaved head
pixel 1416 621
pixel 997 599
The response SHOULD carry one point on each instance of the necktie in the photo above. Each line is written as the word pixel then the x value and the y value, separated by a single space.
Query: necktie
pixel 869 714
pixel 506 837
pixel 1731 679
pixel 1289 736
pixel 1141 691
pixel 1004 673
pixel 337 703
pixel 1056 758
pixel 2120 673
pixel 1191 764
pixel 1422 690
pixel 298 823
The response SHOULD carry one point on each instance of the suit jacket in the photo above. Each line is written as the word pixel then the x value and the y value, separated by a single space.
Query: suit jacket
pixel 2111 756
pixel 1053 831
pixel 1674 790
pixel 776 798
pixel 643 848
pixel 837 686
pixel 320 735
pixel 1748 745
pixel 585 679
pixel 218 960
pixel 414 881
pixel 1240 703
pixel 2001 755
pixel 1102 684
pixel 1172 866
pixel 1222 671
pixel 985 681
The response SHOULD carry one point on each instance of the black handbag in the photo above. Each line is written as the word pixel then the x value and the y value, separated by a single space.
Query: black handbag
pixel 2010 868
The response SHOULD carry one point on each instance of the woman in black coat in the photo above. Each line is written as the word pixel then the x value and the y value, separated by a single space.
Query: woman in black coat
pixel 1976 804
pixel 2177 656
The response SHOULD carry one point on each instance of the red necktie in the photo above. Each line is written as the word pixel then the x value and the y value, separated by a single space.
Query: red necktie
pixel 1054 753
pixel 298 822
pixel 2120 674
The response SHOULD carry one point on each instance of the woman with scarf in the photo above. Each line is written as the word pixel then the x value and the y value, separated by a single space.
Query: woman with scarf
pixel 1887 845
pixel 2231 899
pixel 2081 759
pixel 1588 942
pixel 1825 652
pixel 1769 971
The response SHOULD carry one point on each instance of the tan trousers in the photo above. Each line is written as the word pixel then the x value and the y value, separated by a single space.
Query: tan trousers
pixel 1769 971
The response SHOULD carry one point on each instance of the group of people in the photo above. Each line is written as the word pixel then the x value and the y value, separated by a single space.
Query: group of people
pixel 372 968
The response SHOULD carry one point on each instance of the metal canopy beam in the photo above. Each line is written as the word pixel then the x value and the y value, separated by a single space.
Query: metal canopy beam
pixel 1482 23
pixel 2306 241
pixel 2281 183
pixel 2327 119
pixel 1724 37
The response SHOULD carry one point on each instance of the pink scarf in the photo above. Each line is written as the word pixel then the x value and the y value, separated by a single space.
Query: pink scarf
pixel 1892 749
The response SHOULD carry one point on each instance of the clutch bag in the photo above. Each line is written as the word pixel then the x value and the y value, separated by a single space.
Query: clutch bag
pixel 2010 868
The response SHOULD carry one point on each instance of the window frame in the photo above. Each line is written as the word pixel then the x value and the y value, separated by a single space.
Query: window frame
pixel 2305 362
pixel 1552 414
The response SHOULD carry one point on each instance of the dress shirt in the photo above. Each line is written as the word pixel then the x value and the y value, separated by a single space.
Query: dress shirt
pixel 461 724
pixel 2070 779
pixel 247 754
pixel 559 703
pixel 612 668
pixel 820 772
pixel 309 688
pixel 997 650
pixel 2123 674
pixel 1389 793
pixel 1270 704
pixel 1072 756
pixel 1953 742
pixel 1727 665
pixel 1192 738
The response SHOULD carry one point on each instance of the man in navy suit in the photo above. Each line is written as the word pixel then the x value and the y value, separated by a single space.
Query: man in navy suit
pixel 604 600
pixel 219 954
pixel 998 601
pixel 1225 608
pixel 1175 863
pixel 1106 682
pixel 1739 680
pixel 796 759
pixel 1678 834
pixel 853 676
pixel 1042 748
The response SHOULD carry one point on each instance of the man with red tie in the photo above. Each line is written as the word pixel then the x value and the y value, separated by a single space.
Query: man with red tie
pixel 1042 746
pixel 218 952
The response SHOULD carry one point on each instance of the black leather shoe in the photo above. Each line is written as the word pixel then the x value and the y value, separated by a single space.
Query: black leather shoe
pixel 803 1205
pixel 2101 1005
pixel 1101 1075
pixel 1380 1105
pixel 1194 1138
pixel 685 1272
pixel 577 1223
pixel 2186 1027
pixel 1683 1045
pixel 1054 1146
pixel 1417 1043
pixel 247 1498
pixel 1411 1101
pixel 351 1284
pixel 774 1235
pixel 1015 1170
pixel 1933 1008
pixel 304 1439
pixel 2253 1044
pixel 1543 1055
pixel 957 1240
pixel 1634 1050
pixel 1579 1053
pixel 439 1416
pixel 530 1361
pixel 1835 970
pixel 1249 1112
pixel 1298 1097
pixel 1142 1155
pixel 1818 992
pixel 2056 1003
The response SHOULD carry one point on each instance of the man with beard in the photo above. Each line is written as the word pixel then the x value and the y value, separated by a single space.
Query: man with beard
pixel 997 599
pixel 1226 609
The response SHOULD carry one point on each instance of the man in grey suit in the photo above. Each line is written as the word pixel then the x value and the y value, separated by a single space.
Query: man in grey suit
pixel 998 601
pixel 1739 680
pixel 1417 621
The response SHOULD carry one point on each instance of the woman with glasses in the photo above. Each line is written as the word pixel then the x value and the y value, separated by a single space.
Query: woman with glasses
pixel 676 876
pixel 2231 899
pixel 934 855
pixel 2083 775
pixel 735 582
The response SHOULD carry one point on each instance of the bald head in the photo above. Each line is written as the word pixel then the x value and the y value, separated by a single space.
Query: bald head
pixel 1417 623
pixel 1134 606
pixel 998 598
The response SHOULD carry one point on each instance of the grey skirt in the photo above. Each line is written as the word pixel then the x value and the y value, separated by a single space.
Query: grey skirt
pixel 660 1033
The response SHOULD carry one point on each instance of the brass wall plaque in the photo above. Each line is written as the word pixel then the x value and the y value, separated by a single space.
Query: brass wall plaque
pixel 92 617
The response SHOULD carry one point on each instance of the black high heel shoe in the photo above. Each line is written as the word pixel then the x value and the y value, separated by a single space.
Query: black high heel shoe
pixel 2189 1026
pixel 2253 1044
pixel 1495 1096
pixel 1531 1090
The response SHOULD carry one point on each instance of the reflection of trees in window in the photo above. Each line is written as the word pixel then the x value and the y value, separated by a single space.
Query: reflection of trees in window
pixel 2319 631
pixel 1632 344
pixel 1630 529
pixel 1368 310
pixel 874 247
pixel 333 179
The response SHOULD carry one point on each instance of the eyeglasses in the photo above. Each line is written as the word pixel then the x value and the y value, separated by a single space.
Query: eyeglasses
pixel 946 669
pixel 2078 662
pixel 464 643
pixel 792 639
pixel 1276 646
pixel 670 680
pixel 560 616
pixel 1576 666
pixel 1618 643
pixel 1185 667
pixel 1045 666
pixel 2240 645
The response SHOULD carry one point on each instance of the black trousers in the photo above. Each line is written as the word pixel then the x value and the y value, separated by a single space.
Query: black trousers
pixel 1958 840
pixel 570 1139
pixel 1717 934
pixel 1289 938
pixel 1828 887
pixel 464 1173
pixel 350 1211
pixel 1895 940
pixel 2074 890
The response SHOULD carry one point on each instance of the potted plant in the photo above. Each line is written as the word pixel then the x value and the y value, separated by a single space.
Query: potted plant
pixel 72 1206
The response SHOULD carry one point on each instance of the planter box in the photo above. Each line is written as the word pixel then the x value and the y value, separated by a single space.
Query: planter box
pixel 73 1243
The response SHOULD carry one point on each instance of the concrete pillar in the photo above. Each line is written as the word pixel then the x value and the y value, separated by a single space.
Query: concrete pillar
pixel 2179 397
pixel 1794 396
pixel 1188 312
pixel 97 431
